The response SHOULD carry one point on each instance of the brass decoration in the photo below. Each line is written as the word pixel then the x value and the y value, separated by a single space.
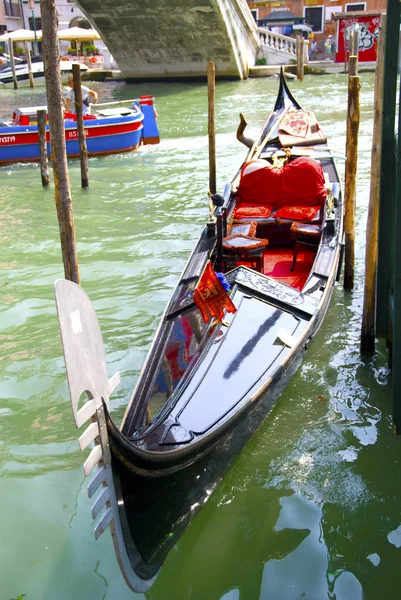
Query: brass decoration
pixel 212 218
pixel 280 161
pixel 330 202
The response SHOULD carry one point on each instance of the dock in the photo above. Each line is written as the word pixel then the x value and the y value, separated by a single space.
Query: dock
pixel 312 68
pixel 321 67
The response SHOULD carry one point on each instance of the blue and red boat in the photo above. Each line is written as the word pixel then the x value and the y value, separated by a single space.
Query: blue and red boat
pixel 109 131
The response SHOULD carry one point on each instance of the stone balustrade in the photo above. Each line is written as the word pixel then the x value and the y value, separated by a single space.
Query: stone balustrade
pixel 279 42
pixel 279 49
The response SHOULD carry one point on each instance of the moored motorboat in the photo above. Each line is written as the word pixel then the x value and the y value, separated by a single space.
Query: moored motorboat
pixel 109 131
pixel 218 362
pixel 38 71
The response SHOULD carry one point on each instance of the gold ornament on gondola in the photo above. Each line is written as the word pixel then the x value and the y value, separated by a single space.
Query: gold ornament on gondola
pixel 212 218
pixel 330 202
pixel 280 161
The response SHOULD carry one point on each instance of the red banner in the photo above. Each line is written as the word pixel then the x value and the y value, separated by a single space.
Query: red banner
pixel 210 296
pixel 368 36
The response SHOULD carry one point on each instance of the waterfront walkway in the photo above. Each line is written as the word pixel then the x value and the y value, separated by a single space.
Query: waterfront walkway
pixel 318 67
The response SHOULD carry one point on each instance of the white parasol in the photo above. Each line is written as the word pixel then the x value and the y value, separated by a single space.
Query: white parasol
pixel 78 34
pixel 21 35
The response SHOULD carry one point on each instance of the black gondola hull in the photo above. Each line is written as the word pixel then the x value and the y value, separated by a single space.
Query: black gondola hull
pixel 155 512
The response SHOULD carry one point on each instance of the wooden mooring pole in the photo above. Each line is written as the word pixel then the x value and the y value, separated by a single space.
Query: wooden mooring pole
pixel 44 165
pixel 54 91
pixel 353 54
pixel 83 152
pixel 368 330
pixel 12 62
pixel 300 44
pixel 211 93
pixel 29 63
pixel 353 116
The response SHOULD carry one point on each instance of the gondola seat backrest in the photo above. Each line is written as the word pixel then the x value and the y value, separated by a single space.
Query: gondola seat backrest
pixel 298 183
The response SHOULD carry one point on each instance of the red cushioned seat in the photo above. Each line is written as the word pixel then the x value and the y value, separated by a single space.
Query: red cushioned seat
pixel 244 247
pixel 297 213
pixel 243 211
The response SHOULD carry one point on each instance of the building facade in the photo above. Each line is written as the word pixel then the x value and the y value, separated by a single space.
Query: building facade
pixel 21 14
pixel 316 13
pixel 12 15
pixel 3 26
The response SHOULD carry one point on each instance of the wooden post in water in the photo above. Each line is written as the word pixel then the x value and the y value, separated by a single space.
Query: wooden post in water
pixel 300 43
pixel 353 115
pixel 211 124
pixel 28 60
pixel 12 62
pixel 44 166
pixel 353 53
pixel 83 152
pixel 54 91
pixel 302 57
pixel 368 331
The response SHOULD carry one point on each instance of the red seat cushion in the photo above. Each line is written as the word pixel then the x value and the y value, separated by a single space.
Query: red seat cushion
pixel 253 211
pixel 298 213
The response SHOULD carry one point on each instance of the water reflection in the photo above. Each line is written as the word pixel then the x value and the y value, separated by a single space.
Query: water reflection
pixel 248 348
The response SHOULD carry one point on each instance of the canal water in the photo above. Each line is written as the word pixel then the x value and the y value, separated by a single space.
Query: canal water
pixel 311 507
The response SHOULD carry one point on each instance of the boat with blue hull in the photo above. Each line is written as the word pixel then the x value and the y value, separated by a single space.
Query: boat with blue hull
pixel 219 361
pixel 109 131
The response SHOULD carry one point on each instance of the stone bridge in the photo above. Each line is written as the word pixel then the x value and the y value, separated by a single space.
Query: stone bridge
pixel 162 39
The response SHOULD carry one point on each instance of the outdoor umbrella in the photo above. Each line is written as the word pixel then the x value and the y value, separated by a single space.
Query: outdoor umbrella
pixel 78 34
pixel 21 35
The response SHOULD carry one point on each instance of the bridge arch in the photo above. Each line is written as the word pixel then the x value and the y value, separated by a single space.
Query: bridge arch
pixel 162 39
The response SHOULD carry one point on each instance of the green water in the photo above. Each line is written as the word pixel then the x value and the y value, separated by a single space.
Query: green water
pixel 311 508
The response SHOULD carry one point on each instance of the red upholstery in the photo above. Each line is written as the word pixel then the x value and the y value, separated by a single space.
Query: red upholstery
pixel 297 213
pixel 248 211
pixel 300 182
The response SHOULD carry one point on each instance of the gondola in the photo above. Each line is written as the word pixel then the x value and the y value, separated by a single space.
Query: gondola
pixel 212 373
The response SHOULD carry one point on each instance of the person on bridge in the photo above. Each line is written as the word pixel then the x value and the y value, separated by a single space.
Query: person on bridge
pixel 88 97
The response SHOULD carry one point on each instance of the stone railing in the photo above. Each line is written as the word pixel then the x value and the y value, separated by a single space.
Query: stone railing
pixel 279 42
